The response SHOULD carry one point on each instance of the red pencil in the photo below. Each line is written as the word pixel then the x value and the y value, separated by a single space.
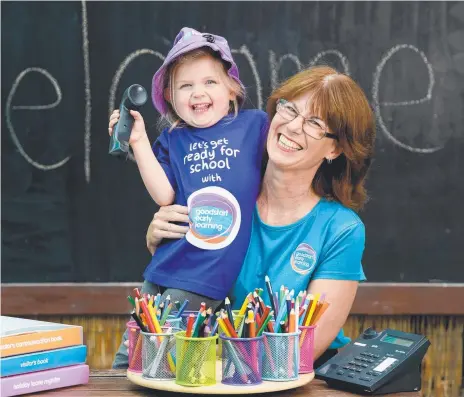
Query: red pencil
pixel 190 321
pixel 229 326
pixel 137 293
pixel 148 319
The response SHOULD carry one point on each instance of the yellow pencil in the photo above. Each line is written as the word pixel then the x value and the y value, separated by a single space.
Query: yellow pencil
pixel 223 326
pixel 313 307
pixel 241 312
pixel 321 311
pixel 310 315
pixel 158 330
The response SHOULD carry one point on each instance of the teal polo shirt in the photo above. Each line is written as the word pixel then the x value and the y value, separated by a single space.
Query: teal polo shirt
pixel 327 243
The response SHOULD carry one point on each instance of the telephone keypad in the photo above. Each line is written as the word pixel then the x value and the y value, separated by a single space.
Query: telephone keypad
pixel 362 365
pixel 359 359
pixel 365 378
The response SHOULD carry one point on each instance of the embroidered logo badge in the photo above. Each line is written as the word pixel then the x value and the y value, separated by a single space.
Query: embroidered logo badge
pixel 303 259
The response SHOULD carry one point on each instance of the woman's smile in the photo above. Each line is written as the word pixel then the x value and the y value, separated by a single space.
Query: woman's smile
pixel 287 145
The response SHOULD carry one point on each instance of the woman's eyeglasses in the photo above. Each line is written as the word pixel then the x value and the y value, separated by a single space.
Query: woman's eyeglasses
pixel 311 125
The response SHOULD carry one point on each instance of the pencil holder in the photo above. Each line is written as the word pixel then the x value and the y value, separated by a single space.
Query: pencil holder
pixel 159 354
pixel 239 319
pixel 196 360
pixel 135 347
pixel 306 348
pixel 281 356
pixel 241 360
pixel 174 322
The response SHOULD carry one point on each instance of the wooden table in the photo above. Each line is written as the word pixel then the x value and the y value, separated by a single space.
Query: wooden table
pixel 115 383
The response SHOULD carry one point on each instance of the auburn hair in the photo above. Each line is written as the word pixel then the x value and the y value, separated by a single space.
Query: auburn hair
pixel 230 83
pixel 340 102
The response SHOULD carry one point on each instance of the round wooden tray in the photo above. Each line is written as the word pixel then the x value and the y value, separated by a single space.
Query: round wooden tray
pixel 220 388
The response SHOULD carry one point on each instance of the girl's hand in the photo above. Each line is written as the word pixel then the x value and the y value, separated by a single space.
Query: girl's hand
pixel 113 120
pixel 138 129
pixel 162 227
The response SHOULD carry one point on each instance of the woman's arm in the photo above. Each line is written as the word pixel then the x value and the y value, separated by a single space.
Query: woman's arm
pixel 340 294
pixel 338 276
pixel 162 227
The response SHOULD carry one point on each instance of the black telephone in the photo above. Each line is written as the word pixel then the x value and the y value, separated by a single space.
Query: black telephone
pixel 377 363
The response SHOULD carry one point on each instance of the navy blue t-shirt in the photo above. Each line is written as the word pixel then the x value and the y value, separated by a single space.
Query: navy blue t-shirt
pixel 216 172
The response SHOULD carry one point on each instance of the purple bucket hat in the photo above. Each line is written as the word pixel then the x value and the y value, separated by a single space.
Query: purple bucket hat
pixel 187 40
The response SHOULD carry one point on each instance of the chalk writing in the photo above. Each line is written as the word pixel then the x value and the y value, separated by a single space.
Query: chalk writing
pixel 9 122
pixel 275 66
pixel 343 59
pixel 88 98
pixel 254 70
pixel 426 98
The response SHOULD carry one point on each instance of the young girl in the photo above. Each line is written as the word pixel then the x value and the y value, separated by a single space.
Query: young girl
pixel 209 159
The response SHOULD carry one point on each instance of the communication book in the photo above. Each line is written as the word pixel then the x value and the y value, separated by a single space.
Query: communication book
pixel 45 380
pixel 21 336
pixel 33 362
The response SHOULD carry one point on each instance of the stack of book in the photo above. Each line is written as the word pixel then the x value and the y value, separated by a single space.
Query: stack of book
pixel 39 355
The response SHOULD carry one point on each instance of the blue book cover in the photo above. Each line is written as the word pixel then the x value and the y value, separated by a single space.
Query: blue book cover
pixel 32 362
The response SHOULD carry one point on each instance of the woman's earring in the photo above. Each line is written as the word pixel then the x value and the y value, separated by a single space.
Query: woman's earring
pixel 329 161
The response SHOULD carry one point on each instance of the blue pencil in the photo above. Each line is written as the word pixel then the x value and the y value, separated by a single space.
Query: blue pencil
pixel 282 311
pixel 182 308
pixel 215 328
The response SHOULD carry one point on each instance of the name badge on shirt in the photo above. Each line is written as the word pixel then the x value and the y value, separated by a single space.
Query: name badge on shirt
pixel 303 259
pixel 215 218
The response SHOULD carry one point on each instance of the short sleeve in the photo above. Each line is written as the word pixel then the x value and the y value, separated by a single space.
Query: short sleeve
pixel 161 151
pixel 342 259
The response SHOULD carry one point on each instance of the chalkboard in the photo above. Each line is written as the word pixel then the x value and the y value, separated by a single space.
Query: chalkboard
pixel 71 212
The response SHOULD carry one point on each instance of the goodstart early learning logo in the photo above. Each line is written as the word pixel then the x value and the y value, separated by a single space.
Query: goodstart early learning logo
pixel 303 259
pixel 214 218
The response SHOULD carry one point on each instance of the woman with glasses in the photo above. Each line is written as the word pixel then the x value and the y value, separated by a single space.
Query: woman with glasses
pixel 306 234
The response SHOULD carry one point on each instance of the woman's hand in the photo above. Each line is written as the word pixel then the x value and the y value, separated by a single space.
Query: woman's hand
pixel 138 129
pixel 162 227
